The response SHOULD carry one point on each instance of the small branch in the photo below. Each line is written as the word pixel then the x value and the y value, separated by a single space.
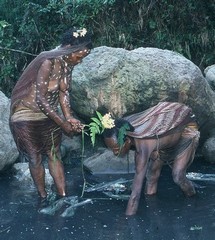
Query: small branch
pixel 6 229
pixel 19 51
pixel 82 165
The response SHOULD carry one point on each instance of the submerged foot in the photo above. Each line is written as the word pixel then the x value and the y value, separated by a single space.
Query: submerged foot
pixel 52 207
pixel 65 206
pixel 198 186
pixel 43 202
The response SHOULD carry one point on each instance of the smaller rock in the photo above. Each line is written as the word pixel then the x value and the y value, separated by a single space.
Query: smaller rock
pixel 73 143
pixel 23 174
pixel 208 150
pixel 8 149
pixel 104 162
pixel 210 75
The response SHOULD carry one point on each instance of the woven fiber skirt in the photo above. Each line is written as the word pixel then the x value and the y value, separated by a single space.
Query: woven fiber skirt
pixel 35 136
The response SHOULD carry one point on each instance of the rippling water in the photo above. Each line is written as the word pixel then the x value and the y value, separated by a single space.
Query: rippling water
pixel 167 216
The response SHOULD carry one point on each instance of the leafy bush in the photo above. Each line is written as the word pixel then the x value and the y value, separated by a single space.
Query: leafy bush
pixel 29 27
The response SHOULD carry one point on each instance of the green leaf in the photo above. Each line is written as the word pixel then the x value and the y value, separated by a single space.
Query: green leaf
pixel 96 120
pixel 99 116
pixel 122 133
pixel 93 124
pixel 94 127
pixel 93 137
pixel 4 24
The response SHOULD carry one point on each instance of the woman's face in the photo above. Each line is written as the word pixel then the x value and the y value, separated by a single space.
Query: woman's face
pixel 76 57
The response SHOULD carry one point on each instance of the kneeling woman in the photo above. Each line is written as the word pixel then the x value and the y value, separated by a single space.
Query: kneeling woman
pixel 165 133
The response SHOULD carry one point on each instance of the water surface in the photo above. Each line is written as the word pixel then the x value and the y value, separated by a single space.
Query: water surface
pixel 167 216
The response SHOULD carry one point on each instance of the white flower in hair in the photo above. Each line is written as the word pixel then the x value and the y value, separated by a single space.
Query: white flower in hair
pixel 83 32
pixel 75 34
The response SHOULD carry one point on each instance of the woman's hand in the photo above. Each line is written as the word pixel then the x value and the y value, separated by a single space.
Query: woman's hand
pixel 67 128
pixel 76 125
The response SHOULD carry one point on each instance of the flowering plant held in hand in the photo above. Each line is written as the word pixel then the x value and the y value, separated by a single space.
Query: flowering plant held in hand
pixel 98 125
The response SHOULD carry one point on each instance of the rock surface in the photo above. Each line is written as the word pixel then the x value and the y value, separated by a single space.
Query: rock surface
pixel 124 82
pixel 104 162
pixel 208 150
pixel 8 150
pixel 23 175
pixel 210 75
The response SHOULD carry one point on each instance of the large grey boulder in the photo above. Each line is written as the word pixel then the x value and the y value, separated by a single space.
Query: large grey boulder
pixel 123 82
pixel 8 150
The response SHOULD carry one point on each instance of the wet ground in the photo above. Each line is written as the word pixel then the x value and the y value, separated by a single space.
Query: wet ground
pixel 166 216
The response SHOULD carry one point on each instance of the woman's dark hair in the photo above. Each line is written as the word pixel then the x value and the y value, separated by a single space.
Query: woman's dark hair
pixel 120 122
pixel 108 133
pixel 115 130
pixel 75 36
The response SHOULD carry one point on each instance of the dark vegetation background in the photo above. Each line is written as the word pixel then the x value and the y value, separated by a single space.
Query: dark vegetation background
pixel 29 27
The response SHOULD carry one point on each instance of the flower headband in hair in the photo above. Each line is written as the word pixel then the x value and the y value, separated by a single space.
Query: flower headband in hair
pixel 99 124
pixel 80 33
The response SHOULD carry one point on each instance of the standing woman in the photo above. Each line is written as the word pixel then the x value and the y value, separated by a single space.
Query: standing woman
pixel 35 122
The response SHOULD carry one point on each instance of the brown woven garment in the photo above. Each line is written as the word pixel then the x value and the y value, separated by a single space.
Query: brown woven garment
pixel 160 120
pixel 35 137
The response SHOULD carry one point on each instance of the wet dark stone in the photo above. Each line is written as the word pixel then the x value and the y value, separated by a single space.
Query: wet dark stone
pixel 168 215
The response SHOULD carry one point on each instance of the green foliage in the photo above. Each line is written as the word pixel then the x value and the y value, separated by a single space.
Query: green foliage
pixel 32 26
pixel 122 133
pixel 95 127
pixel 8 61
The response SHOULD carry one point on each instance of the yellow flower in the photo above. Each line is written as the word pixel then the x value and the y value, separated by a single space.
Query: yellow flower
pixel 107 121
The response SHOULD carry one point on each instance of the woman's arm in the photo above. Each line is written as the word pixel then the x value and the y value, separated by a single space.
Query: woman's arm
pixel 65 104
pixel 42 84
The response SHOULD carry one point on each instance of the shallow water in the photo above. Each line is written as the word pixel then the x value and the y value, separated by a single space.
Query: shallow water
pixel 167 216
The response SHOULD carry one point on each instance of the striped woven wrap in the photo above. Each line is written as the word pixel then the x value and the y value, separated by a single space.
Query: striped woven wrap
pixel 160 119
